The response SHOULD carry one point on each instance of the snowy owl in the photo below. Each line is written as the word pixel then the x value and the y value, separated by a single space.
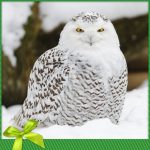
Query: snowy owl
pixel 83 78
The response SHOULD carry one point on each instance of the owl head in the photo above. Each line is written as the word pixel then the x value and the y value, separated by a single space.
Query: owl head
pixel 88 31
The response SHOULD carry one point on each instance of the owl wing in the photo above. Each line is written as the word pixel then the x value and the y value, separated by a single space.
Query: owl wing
pixel 118 88
pixel 46 82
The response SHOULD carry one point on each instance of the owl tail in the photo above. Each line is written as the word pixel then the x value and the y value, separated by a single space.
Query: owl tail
pixel 114 114
pixel 19 120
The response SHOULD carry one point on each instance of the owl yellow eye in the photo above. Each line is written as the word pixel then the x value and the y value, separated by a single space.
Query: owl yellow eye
pixel 79 30
pixel 100 30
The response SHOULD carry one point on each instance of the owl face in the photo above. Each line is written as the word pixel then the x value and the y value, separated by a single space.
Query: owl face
pixel 89 31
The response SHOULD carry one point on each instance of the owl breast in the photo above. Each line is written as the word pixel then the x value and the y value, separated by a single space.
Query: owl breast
pixel 84 96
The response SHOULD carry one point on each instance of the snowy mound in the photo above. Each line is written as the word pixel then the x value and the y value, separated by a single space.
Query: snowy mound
pixel 133 121
pixel 14 16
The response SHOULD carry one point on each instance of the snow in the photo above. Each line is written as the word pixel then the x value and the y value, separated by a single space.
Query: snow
pixel 14 16
pixel 133 122
pixel 54 13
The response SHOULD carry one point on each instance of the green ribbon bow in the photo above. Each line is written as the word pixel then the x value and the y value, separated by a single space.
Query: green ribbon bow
pixel 33 137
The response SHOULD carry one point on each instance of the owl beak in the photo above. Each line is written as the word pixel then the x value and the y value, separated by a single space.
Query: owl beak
pixel 90 41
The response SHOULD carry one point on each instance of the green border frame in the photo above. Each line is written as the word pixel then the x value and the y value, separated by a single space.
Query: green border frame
pixel 78 144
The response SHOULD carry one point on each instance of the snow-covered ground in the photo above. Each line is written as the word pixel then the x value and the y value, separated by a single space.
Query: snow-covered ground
pixel 15 15
pixel 133 122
